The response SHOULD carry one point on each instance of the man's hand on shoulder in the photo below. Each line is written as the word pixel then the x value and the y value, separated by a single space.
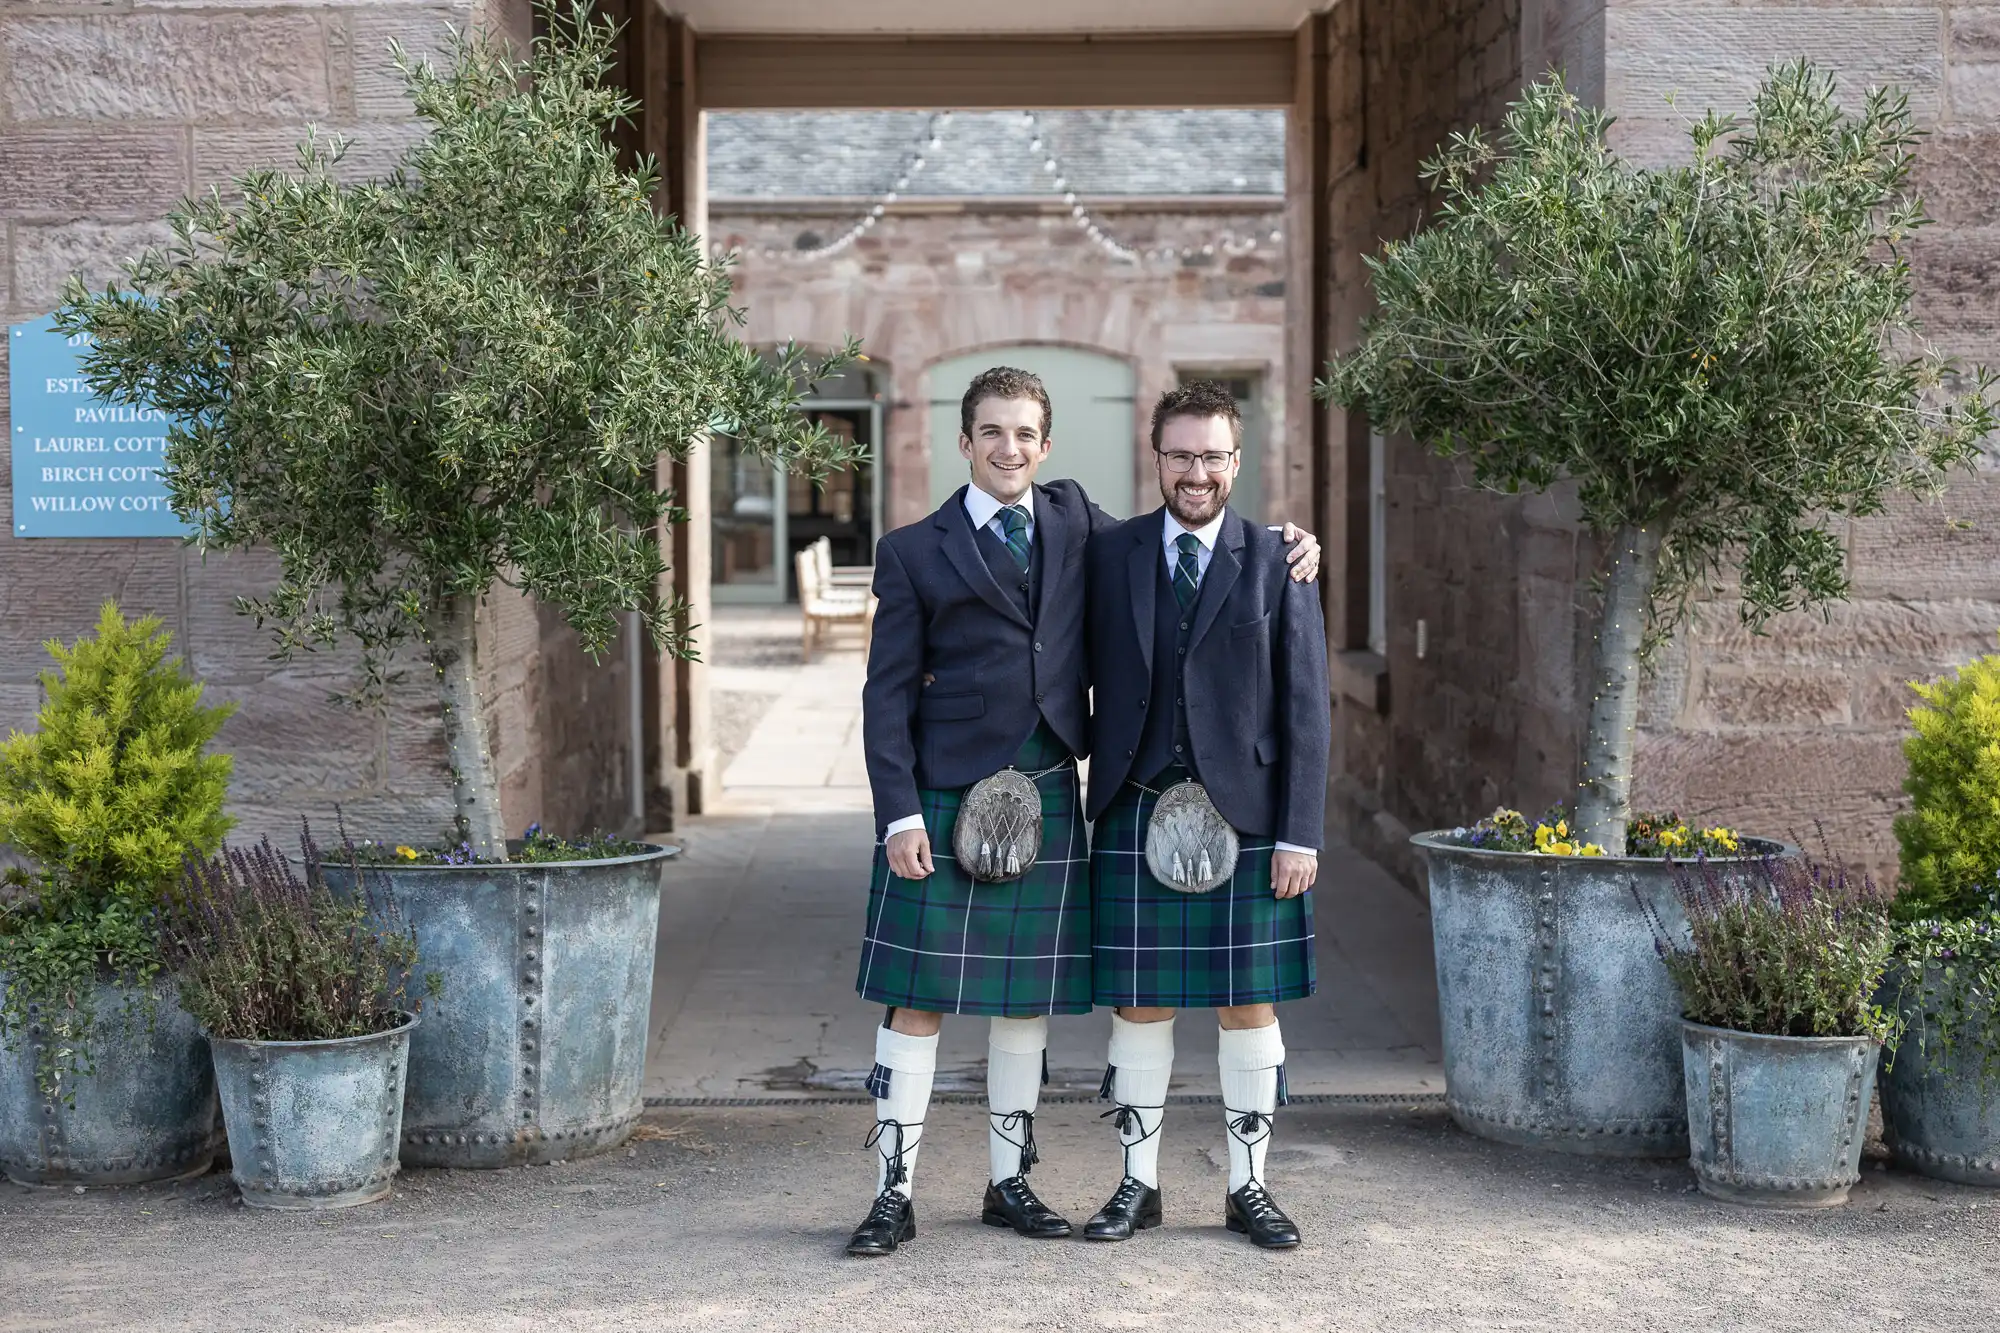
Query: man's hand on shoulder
pixel 910 854
pixel 1304 555
pixel 1292 873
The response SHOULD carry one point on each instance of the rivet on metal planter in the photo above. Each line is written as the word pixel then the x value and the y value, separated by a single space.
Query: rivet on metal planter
pixel 145 1113
pixel 326 1139
pixel 1785 1114
pixel 533 957
pixel 1561 1027
pixel 1939 1117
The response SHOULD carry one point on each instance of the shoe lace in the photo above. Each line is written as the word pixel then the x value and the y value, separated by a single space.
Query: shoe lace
pixel 1260 1206
pixel 1250 1128
pixel 1025 1122
pixel 886 1210
pixel 899 1169
pixel 1126 1119
pixel 1130 1190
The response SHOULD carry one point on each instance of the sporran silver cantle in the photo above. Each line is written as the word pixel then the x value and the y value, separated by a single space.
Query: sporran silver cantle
pixel 1189 845
pixel 999 830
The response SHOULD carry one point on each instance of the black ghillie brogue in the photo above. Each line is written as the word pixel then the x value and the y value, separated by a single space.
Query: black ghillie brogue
pixel 1254 1213
pixel 1011 1203
pixel 1132 1208
pixel 891 1220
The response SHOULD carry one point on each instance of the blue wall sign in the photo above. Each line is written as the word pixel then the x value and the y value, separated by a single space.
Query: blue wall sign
pixel 82 467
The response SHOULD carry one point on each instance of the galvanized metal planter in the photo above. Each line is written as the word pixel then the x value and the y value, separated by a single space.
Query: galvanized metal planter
pixel 313 1124
pixel 1561 1027
pixel 1777 1122
pixel 1939 1118
pixel 536 1050
pixel 145 1113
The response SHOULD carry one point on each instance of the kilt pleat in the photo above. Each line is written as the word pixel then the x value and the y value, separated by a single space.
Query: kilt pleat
pixel 949 944
pixel 1153 946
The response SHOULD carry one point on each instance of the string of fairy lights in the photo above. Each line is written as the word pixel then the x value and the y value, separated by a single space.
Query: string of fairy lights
pixel 927 150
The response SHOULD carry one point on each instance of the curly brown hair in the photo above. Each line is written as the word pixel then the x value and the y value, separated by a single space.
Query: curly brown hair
pixel 1003 382
pixel 1198 398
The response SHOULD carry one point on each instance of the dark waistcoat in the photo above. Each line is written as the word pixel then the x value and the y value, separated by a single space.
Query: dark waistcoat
pixel 1025 589
pixel 1165 738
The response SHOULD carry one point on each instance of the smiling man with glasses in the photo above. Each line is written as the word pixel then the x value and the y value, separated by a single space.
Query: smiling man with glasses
pixel 1207 793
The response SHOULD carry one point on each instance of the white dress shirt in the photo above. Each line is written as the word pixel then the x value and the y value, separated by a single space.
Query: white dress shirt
pixel 984 511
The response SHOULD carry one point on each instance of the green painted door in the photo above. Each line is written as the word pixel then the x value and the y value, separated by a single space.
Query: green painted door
pixel 1094 432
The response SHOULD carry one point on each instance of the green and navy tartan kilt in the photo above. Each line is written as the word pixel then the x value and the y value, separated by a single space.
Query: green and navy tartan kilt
pixel 1153 946
pixel 951 945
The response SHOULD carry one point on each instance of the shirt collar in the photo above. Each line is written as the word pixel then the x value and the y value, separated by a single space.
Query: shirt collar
pixel 1205 534
pixel 982 508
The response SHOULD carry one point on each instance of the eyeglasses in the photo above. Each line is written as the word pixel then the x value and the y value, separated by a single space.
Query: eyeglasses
pixel 1212 462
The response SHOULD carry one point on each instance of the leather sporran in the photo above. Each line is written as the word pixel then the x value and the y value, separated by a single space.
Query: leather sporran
pixel 1189 845
pixel 999 830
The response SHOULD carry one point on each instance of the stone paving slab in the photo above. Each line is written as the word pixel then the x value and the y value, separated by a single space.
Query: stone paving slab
pixel 734 1220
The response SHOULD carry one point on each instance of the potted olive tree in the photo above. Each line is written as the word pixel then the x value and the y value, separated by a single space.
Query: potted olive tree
pixel 1777 977
pixel 416 389
pixel 1941 1089
pixel 104 1079
pixel 304 997
pixel 1720 359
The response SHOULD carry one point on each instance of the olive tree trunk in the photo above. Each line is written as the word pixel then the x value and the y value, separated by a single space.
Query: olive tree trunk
pixel 475 779
pixel 1604 796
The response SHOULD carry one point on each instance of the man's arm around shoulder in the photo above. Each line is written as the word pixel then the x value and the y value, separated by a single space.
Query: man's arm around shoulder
pixel 1305 736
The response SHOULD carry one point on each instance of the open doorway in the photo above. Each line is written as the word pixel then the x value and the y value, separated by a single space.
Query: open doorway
pixel 761 514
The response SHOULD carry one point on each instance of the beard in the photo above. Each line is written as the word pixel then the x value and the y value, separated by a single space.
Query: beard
pixel 1198 509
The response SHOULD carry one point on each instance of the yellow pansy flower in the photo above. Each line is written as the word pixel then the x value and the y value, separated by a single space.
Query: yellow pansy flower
pixel 407 853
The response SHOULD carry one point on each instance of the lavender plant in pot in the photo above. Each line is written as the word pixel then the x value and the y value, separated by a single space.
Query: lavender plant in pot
pixel 304 996
pixel 1777 974
pixel 1719 359
pixel 419 389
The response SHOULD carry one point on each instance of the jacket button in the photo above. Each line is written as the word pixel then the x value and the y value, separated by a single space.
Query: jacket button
pixel 1128 754
pixel 1142 703
pixel 1180 652
pixel 1039 697
pixel 1038 647
pixel 1184 624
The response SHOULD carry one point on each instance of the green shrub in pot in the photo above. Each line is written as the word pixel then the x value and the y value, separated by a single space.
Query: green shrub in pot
pixel 1950 838
pixel 113 789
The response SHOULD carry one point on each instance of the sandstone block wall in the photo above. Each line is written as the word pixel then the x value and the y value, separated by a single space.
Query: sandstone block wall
pixel 1487 709
pixel 930 284
pixel 1805 723
pixel 109 113
pixel 1770 732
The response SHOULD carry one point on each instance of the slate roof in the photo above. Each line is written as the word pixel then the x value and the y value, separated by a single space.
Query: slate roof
pixel 843 154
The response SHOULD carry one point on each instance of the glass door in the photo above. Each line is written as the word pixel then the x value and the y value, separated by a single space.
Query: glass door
pixel 748 525
pixel 763 515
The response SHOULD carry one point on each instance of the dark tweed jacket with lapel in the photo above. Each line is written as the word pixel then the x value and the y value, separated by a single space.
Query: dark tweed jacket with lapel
pixel 1258 710
pixel 996 671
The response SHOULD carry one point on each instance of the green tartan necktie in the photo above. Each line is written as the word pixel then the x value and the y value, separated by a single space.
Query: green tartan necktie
pixel 1014 520
pixel 1187 574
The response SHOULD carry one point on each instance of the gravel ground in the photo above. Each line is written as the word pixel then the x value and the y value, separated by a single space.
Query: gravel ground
pixel 734 1219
